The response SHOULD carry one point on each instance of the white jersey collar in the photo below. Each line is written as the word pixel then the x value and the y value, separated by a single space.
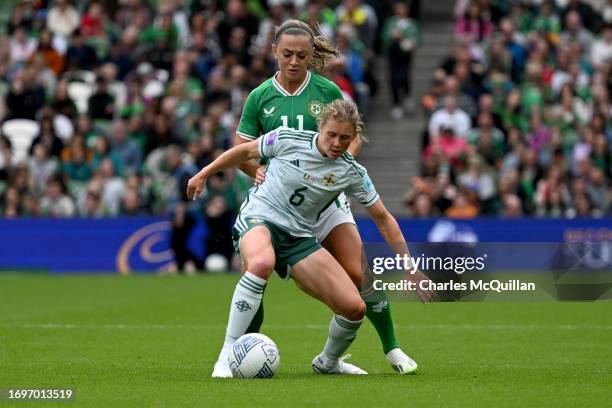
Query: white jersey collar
pixel 297 91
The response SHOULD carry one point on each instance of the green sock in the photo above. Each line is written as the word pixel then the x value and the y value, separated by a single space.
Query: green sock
pixel 378 311
pixel 257 320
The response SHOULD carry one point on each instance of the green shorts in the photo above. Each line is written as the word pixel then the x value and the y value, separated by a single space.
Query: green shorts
pixel 288 249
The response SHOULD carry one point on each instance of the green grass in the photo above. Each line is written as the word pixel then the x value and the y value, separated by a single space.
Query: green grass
pixel 151 341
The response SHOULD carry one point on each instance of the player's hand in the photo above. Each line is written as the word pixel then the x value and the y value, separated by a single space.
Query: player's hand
pixel 425 296
pixel 260 175
pixel 195 186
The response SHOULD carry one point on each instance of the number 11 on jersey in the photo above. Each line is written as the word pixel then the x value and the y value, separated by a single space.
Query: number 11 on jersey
pixel 300 121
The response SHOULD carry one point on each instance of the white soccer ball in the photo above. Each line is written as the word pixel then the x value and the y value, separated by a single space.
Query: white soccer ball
pixel 254 356
pixel 215 263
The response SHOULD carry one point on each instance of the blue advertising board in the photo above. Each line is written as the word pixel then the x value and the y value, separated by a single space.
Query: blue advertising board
pixel 143 244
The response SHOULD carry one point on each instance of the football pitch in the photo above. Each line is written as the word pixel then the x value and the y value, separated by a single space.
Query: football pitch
pixel 151 341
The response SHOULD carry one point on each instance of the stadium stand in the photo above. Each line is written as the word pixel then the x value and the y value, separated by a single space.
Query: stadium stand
pixel 519 114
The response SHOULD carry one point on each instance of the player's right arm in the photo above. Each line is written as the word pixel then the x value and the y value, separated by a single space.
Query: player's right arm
pixel 230 158
pixel 269 145
pixel 250 167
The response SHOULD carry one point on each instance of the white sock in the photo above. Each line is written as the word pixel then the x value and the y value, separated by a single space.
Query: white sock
pixel 342 332
pixel 245 303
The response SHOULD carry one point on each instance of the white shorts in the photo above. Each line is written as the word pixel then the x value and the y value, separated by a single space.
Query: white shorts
pixel 339 212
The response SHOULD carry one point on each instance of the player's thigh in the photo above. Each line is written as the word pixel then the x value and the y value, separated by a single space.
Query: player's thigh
pixel 257 252
pixel 344 243
pixel 321 276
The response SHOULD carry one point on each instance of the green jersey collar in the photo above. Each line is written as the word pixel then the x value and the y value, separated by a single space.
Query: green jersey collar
pixel 282 90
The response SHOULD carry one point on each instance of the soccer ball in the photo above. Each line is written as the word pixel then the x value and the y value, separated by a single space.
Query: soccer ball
pixel 215 263
pixel 254 356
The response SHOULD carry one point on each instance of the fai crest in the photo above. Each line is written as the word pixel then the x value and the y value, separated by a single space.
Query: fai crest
pixel 315 108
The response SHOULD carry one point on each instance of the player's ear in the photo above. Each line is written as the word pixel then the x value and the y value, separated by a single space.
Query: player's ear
pixel 273 50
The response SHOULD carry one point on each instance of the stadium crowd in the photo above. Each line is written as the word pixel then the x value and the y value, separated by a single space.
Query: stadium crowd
pixel 519 114
pixel 109 106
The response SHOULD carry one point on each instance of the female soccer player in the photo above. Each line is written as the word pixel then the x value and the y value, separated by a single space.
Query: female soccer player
pixel 274 226
pixel 294 97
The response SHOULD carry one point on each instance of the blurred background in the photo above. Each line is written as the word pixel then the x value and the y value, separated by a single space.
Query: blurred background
pixel 488 121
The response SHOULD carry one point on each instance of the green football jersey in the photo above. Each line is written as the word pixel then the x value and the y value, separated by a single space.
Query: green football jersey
pixel 270 106
pixel 301 183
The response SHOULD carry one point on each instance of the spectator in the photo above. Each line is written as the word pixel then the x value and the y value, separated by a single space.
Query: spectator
pixel 114 187
pixel 514 47
pixel 422 207
pixel 21 47
pixel 182 225
pixel 42 167
pixel 62 103
pixel 92 24
pixel 63 18
pixel 126 149
pixel 478 180
pixel 80 55
pixel 362 16
pixel 52 57
pixel 512 206
pixel 462 208
pixel 237 16
pixel 90 205
pixel 24 98
pixel 598 191
pixel 448 144
pixel 601 52
pixel 181 172
pixel 474 26
pixel 76 166
pixel 352 56
pixel 219 219
pixel 401 37
pixel 575 32
pixel 102 151
pixel 101 102
pixel 131 205
pixel 133 10
pixel 583 10
pixel 57 203
pixel 47 137
pixel 451 117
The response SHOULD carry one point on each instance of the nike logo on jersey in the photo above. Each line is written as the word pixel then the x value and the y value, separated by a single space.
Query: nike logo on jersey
pixel 269 111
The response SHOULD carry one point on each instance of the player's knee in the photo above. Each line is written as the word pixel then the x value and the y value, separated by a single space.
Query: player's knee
pixel 355 310
pixel 261 266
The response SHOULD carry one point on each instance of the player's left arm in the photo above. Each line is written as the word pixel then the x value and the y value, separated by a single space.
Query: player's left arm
pixel 355 147
pixel 389 229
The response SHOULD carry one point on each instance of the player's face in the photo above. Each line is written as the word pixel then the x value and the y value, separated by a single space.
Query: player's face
pixel 293 53
pixel 335 137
